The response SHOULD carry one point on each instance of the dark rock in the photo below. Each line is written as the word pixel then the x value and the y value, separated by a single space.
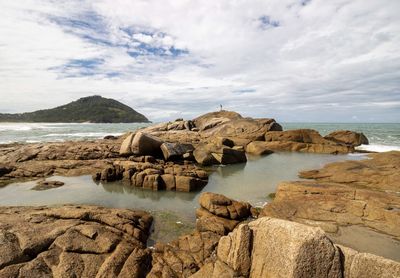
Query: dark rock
pixel 348 137
pixel 45 185
pixel 175 150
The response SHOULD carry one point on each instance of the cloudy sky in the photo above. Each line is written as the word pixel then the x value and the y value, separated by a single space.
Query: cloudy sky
pixel 295 60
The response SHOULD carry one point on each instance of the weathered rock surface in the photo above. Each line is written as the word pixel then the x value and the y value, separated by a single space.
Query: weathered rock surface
pixel 220 214
pixel 259 148
pixel 301 140
pixel 348 137
pixel 73 241
pixel 357 264
pixel 184 256
pixel 210 154
pixel 145 144
pixel 345 193
pixel 155 176
pixel 175 150
pixel 270 247
pixel 20 161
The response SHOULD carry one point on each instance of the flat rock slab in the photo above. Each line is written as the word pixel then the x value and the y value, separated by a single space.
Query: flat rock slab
pixel 73 241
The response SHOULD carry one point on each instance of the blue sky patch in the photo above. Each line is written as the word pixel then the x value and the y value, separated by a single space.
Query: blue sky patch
pixel 266 22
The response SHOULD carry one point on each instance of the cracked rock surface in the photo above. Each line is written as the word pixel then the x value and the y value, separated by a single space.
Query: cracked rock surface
pixel 73 241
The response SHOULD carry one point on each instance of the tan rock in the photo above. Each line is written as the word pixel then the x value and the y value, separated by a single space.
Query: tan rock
pixel 146 144
pixel 258 148
pixel 126 145
pixel 348 137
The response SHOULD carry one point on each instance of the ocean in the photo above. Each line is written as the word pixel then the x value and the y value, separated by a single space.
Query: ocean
pixel 382 136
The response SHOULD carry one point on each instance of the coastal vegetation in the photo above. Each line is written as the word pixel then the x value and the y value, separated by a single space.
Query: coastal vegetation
pixel 94 109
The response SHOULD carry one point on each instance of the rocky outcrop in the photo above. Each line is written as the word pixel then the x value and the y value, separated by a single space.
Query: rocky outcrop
pixel 183 257
pixel 220 214
pixel 270 247
pixel 141 143
pixel 175 151
pixel 155 176
pixel 345 193
pixel 259 148
pixel 348 137
pixel 73 241
pixel 210 154
pixel 301 140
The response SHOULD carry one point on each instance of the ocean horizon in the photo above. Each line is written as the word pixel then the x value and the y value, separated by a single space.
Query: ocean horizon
pixel 382 136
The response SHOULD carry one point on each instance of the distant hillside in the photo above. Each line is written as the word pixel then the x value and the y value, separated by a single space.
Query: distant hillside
pixel 95 109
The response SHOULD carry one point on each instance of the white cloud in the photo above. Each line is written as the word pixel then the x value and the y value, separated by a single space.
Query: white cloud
pixel 324 61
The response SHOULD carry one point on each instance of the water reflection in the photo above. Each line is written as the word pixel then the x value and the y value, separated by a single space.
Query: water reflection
pixel 141 193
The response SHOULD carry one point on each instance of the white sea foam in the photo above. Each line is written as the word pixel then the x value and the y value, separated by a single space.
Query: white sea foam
pixel 378 148
pixel 82 134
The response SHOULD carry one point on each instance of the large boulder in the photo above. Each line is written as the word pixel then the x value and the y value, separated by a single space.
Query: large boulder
pixel 348 137
pixel 210 154
pixel 214 119
pixel 126 149
pixel 357 264
pixel 270 247
pixel 146 144
pixel 242 129
pixel 258 148
pixel 175 150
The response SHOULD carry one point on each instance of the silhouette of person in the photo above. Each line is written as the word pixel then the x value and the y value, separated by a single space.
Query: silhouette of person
pixel 220 107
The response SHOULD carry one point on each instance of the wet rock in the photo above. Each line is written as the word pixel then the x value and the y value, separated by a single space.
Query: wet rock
pixel 110 137
pixel 188 184
pixel 348 137
pixel 45 185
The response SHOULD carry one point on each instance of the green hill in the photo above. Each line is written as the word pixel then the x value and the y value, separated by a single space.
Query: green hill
pixel 95 109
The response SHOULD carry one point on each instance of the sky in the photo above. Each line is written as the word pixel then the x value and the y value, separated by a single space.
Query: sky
pixel 293 60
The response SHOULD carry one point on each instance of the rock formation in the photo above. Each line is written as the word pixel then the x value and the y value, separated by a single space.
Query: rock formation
pixel 345 193
pixel 88 241
pixel 73 241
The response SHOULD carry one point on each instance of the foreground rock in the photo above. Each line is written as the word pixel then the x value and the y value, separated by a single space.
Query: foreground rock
pixel 345 193
pixel 270 247
pixel 46 185
pixel 73 241
pixel 220 214
pixel 88 241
